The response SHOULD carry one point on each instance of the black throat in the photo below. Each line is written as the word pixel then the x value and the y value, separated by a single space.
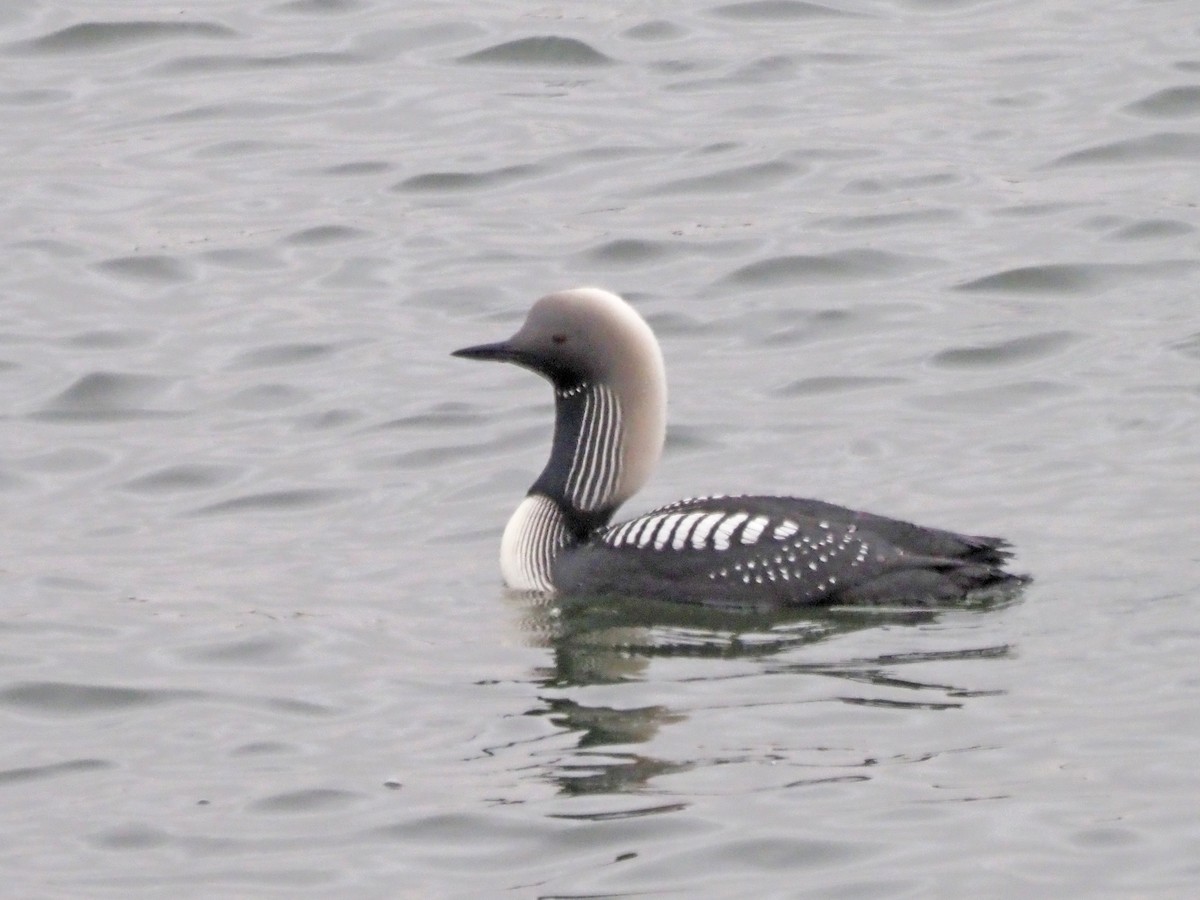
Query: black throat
pixel 575 476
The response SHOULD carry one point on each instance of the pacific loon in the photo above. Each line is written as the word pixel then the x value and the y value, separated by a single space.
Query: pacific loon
pixel 610 394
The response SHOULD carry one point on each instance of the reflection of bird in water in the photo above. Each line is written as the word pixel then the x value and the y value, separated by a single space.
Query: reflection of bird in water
pixel 610 640
pixel 591 769
pixel 747 552
pixel 615 641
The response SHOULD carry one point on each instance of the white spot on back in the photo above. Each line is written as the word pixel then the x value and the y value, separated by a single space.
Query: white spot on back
pixel 785 529
pixel 679 541
pixel 726 528
pixel 640 536
pixel 754 528
pixel 704 527
pixel 616 538
pixel 663 534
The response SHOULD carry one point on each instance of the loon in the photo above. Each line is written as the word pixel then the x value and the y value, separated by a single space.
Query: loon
pixel 764 552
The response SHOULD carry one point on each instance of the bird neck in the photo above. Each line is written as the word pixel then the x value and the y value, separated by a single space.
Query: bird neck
pixel 607 440
pixel 584 475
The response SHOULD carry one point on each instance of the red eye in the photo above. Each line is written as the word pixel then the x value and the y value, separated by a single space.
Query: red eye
pixel 559 338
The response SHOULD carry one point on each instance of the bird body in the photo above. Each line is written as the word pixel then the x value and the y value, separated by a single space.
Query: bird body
pixel 750 551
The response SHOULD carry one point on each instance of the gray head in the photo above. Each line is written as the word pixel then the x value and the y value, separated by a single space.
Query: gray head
pixel 585 339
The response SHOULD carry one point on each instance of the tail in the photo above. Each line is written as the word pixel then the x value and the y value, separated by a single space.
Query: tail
pixel 932 580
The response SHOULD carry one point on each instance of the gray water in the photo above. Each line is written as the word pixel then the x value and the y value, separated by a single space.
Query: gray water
pixel 934 259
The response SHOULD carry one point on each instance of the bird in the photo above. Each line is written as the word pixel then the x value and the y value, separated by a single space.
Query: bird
pixel 726 551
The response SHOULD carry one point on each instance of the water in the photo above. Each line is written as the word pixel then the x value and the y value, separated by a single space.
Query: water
pixel 934 260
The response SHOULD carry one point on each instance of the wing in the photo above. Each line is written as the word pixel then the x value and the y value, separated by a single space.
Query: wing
pixel 751 551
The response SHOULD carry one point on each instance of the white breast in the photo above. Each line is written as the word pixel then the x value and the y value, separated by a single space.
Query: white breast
pixel 532 538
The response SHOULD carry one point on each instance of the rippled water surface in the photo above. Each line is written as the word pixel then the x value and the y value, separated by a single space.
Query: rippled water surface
pixel 938 260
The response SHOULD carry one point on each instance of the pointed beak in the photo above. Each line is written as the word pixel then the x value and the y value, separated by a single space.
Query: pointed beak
pixel 501 351
pixel 511 351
